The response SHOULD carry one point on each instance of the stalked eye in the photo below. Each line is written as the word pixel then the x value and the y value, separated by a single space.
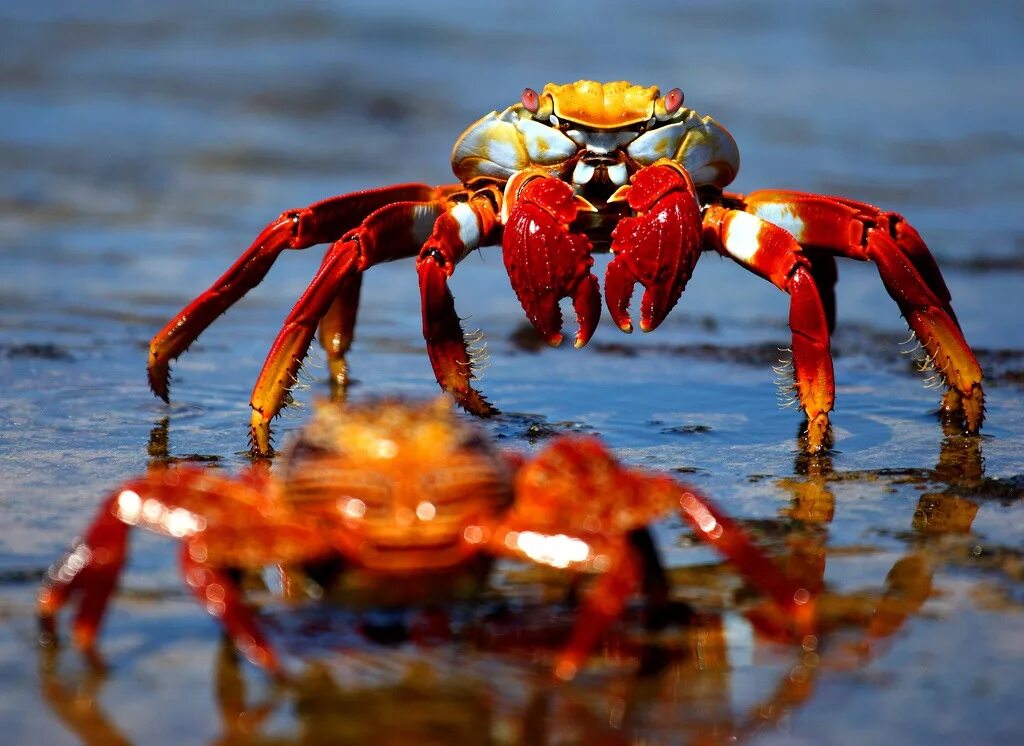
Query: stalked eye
pixel 530 100
pixel 673 100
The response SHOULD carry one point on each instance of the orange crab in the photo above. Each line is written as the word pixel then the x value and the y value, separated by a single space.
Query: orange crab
pixel 407 494
pixel 573 170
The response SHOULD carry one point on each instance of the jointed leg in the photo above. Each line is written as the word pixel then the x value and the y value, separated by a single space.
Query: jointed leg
pixel 295 229
pixel 464 227
pixel 601 608
pixel 392 232
pixel 223 523
pixel 774 254
pixel 217 590
pixel 718 530
pixel 92 567
pixel 91 570
pixel 825 275
pixel 337 330
pixel 577 508
pixel 910 274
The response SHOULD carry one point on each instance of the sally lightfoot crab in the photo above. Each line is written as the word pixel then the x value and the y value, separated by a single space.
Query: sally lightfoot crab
pixel 408 494
pixel 573 170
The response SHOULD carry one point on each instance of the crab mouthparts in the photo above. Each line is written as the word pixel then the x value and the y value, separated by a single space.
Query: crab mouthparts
pixel 606 168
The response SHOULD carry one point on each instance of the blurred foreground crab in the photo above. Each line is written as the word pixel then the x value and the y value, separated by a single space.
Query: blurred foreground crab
pixel 412 494
pixel 573 170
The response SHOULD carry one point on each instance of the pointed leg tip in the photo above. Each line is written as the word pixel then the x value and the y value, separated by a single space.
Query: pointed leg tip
pixel 338 374
pixel 472 401
pixel 554 340
pixel 483 408
pixel 974 410
pixel 263 656
pixel 259 436
pixel 159 382
pixel 818 435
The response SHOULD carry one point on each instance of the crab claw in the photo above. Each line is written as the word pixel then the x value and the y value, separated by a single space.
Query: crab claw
pixel 658 247
pixel 544 259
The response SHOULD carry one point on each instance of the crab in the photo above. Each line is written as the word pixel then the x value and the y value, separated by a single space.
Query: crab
pixel 573 170
pixel 407 495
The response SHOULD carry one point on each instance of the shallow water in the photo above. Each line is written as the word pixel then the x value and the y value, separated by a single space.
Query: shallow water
pixel 142 147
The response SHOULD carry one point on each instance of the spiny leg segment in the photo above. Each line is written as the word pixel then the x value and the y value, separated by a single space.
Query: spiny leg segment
pixel 773 253
pixel 861 231
pixel 462 228
pixel 320 222
pixel 392 232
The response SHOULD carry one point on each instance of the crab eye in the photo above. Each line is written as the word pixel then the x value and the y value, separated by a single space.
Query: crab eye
pixel 530 100
pixel 673 100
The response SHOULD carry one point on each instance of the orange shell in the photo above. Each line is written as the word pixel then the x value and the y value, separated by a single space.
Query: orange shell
pixel 602 105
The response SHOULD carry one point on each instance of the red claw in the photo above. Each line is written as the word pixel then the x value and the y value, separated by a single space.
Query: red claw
pixel 658 248
pixel 547 262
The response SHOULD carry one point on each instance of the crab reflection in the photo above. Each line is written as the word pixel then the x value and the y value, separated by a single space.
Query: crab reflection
pixel 909 583
pixel 480 695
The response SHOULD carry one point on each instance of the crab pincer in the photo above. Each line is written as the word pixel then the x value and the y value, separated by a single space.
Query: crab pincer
pixel 546 261
pixel 658 248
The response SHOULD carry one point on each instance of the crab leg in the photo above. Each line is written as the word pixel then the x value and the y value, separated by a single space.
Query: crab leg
pixel 825 274
pixel 216 589
pixel 222 522
pixel 463 228
pixel 601 608
pixel 773 253
pixel 337 330
pixel 718 530
pixel 91 568
pixel 392 232
pixel 562 517
pixel 659 247
pixel 860 231
pixel 546 261
pixel 294 229
pixel 632 568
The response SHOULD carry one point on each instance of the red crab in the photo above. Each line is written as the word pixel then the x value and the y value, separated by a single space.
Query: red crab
pixel 577 169
pixel 407 494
